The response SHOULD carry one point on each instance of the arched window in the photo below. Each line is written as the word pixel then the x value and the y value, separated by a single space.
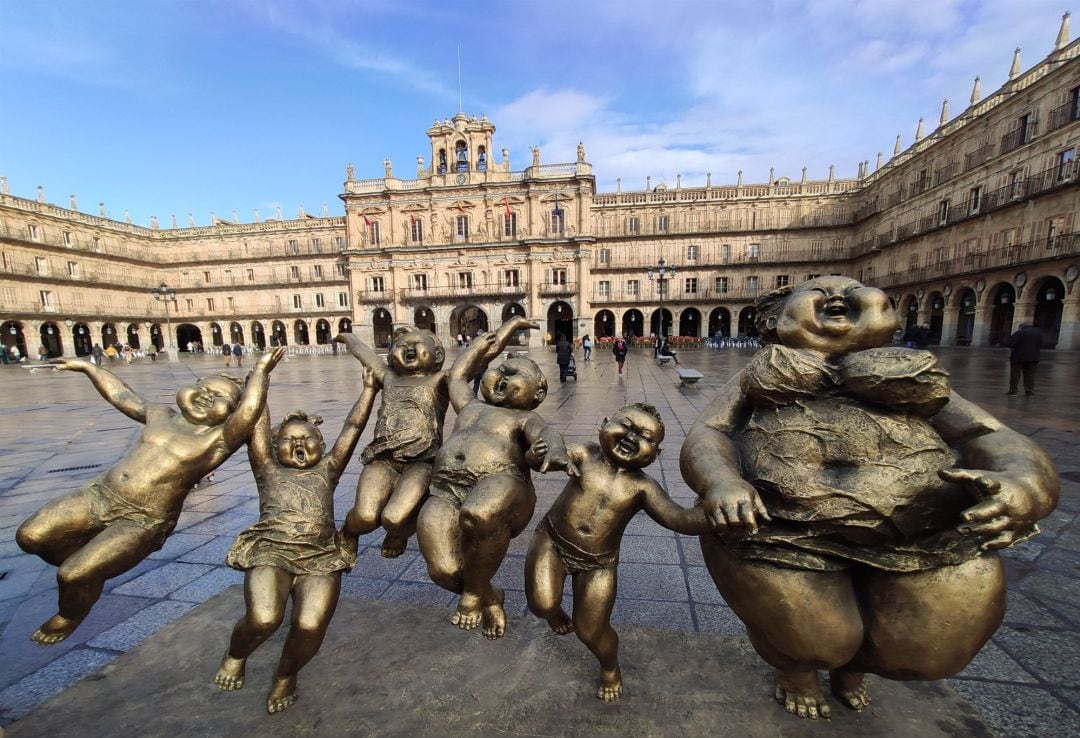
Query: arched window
pixel 481 159
pixel 442 161
pixel 461 157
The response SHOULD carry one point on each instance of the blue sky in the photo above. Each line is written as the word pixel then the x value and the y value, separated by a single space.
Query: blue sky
pixel 162 107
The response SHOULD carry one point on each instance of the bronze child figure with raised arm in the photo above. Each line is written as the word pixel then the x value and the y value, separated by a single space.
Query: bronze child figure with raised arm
pixel 861 501
pixel 408 434
pixel 481 491
pixel 581 533
pixel 294 547
pixel 126 513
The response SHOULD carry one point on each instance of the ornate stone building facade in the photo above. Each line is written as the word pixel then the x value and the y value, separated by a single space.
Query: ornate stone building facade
pixel 970 230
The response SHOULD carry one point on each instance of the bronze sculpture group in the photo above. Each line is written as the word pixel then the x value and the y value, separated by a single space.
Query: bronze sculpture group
pixel 851 503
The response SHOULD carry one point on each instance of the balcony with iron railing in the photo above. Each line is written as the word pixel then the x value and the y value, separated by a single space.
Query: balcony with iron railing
pixel 1017 255
pixel 979 156
pixel 617 295
pixel 1019 136
pixel 709 260
pixel 1064 114
pixel 456 292
pixel 557 289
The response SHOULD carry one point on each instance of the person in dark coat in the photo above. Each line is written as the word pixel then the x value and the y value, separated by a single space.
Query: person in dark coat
pixel 563 350
pixel 619 348
pixel 1025 344
pixel 911 336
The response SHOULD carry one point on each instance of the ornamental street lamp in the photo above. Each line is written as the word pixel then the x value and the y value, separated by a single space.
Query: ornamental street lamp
pixel 663 274
pixel 166 294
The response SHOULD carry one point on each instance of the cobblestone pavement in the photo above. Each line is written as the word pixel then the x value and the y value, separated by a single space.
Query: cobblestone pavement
pixel 57 433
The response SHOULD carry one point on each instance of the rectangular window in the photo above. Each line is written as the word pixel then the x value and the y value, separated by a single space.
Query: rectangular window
pixel 296 303
pixel 1008 237
pixel 416 229
pixel 605 256
pixel 32 231
pixel 320 301
pixel 73 268
pixel 943 212
pixel 783 280
pixel 663 223
pixel 511 278
pixel 461 228
pixel 206 277
pixel 419 282
pixel 340 269
pixel 603 289
pixel 378 284
pixel 725 252
pixel 190 304
pixel 812 276
pixel 633 288
pixel 558 276
pixel 510 224
pixel 292 247
pixel 343 299
pixel 251 275
pixel 464 280
pixel 633 225
pixel 751 286
pixel 97 243
pixel 294 273
pixel 1016 184
pixel 374 233
pixel 691 253
pixel 913 261
pixel 1066 162
pixel 228 276
pixel 690 286
pixel 975 200
pixel 339 243
pixel 42 264
pixel 210 304
pixel 721 285
pixel 67 238
pixel 317 271
pixel 558 221
pixel 316 246
pixel 46 298
pixel 753 251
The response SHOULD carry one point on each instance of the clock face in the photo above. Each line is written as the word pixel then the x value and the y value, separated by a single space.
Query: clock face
pixel 461 179
pixel 1021 279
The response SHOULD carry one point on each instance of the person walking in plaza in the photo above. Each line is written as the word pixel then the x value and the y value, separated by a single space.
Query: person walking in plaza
pixel 226 351
pixel 563 350
pixel 151 351
pixel 619 348
pixel 238 354
pixel 127 353
pixel 42 353
pixel 586 346
pixel 1026 343
pixel 96 352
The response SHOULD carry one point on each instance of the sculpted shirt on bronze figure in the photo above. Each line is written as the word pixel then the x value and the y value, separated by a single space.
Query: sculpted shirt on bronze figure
pixel 126 513
pixel 294 547
pixel 861 500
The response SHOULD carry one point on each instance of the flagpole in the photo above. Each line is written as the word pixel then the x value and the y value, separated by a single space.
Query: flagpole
pixel 459 106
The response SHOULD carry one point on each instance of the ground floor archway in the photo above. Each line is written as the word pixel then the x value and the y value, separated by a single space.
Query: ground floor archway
pixel 344 326
pixel 216 336
pixel 424 318
pixel 188 337
pixel 560 321
pixel 50 339
pixel 300 332
pixel 604 324
pixel 11 333
pixel 512 310
pixel 1003 300
pixel 382 325
pixel 84 341
pixel 633 324
pixel 966 301
pixel 157 337
pixel 236 333
pixel 654 322
pixel 690 322
pixel 322 331
pixel 258 335
pixel 909 314
pixel 133 336
pixel 278 336
pixel 937 317
pixel 1049 303
pixel 748 322
pixel 109 336
pixel 720 322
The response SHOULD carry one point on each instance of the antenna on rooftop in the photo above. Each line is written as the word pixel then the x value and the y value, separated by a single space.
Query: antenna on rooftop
pixel 459 106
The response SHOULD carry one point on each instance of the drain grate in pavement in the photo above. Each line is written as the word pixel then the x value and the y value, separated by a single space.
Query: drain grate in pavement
pixel 73 468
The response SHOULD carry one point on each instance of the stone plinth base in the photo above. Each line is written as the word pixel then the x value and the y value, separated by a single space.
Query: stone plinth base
pixel 397 670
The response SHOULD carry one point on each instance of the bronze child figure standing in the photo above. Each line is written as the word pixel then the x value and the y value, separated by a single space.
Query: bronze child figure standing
pixel 294 548
pixel 862 502
pixel 481 491
pixel 126 513
pixel 581 533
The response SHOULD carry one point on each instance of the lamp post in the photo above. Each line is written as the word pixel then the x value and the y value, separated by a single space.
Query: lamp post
pixel 663 274
pixel 166 294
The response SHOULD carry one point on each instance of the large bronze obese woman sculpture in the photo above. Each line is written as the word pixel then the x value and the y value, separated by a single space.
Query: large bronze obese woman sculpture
pixel 861 502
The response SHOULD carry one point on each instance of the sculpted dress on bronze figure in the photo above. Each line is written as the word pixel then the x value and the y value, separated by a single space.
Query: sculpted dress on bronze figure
pixel 126 513
pixel 294 548
pixel 860 501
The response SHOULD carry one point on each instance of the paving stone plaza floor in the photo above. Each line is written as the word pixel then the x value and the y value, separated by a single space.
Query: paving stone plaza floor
pixel 57 432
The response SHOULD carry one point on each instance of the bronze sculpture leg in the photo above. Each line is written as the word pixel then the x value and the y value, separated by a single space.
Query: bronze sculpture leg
pixel 801 620
pixel 545 576
pixel 438 533
pixel 266 590
pixel 373 489
pixel 399 514
pixel 57 530
pixel 315 597
pixel 594 596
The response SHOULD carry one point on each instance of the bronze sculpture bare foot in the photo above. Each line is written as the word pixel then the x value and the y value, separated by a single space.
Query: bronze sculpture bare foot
pixel 610 685
pixel 230 675
pixel 393 546
pixel 800 694
pixel 468 614
pixel 282 695
pixel 561 622
pixel 54 630
pixel 850 688
pixel 493 616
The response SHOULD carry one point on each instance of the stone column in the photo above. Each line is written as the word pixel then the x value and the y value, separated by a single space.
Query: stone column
pixel 1069 336
pixel 983 313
